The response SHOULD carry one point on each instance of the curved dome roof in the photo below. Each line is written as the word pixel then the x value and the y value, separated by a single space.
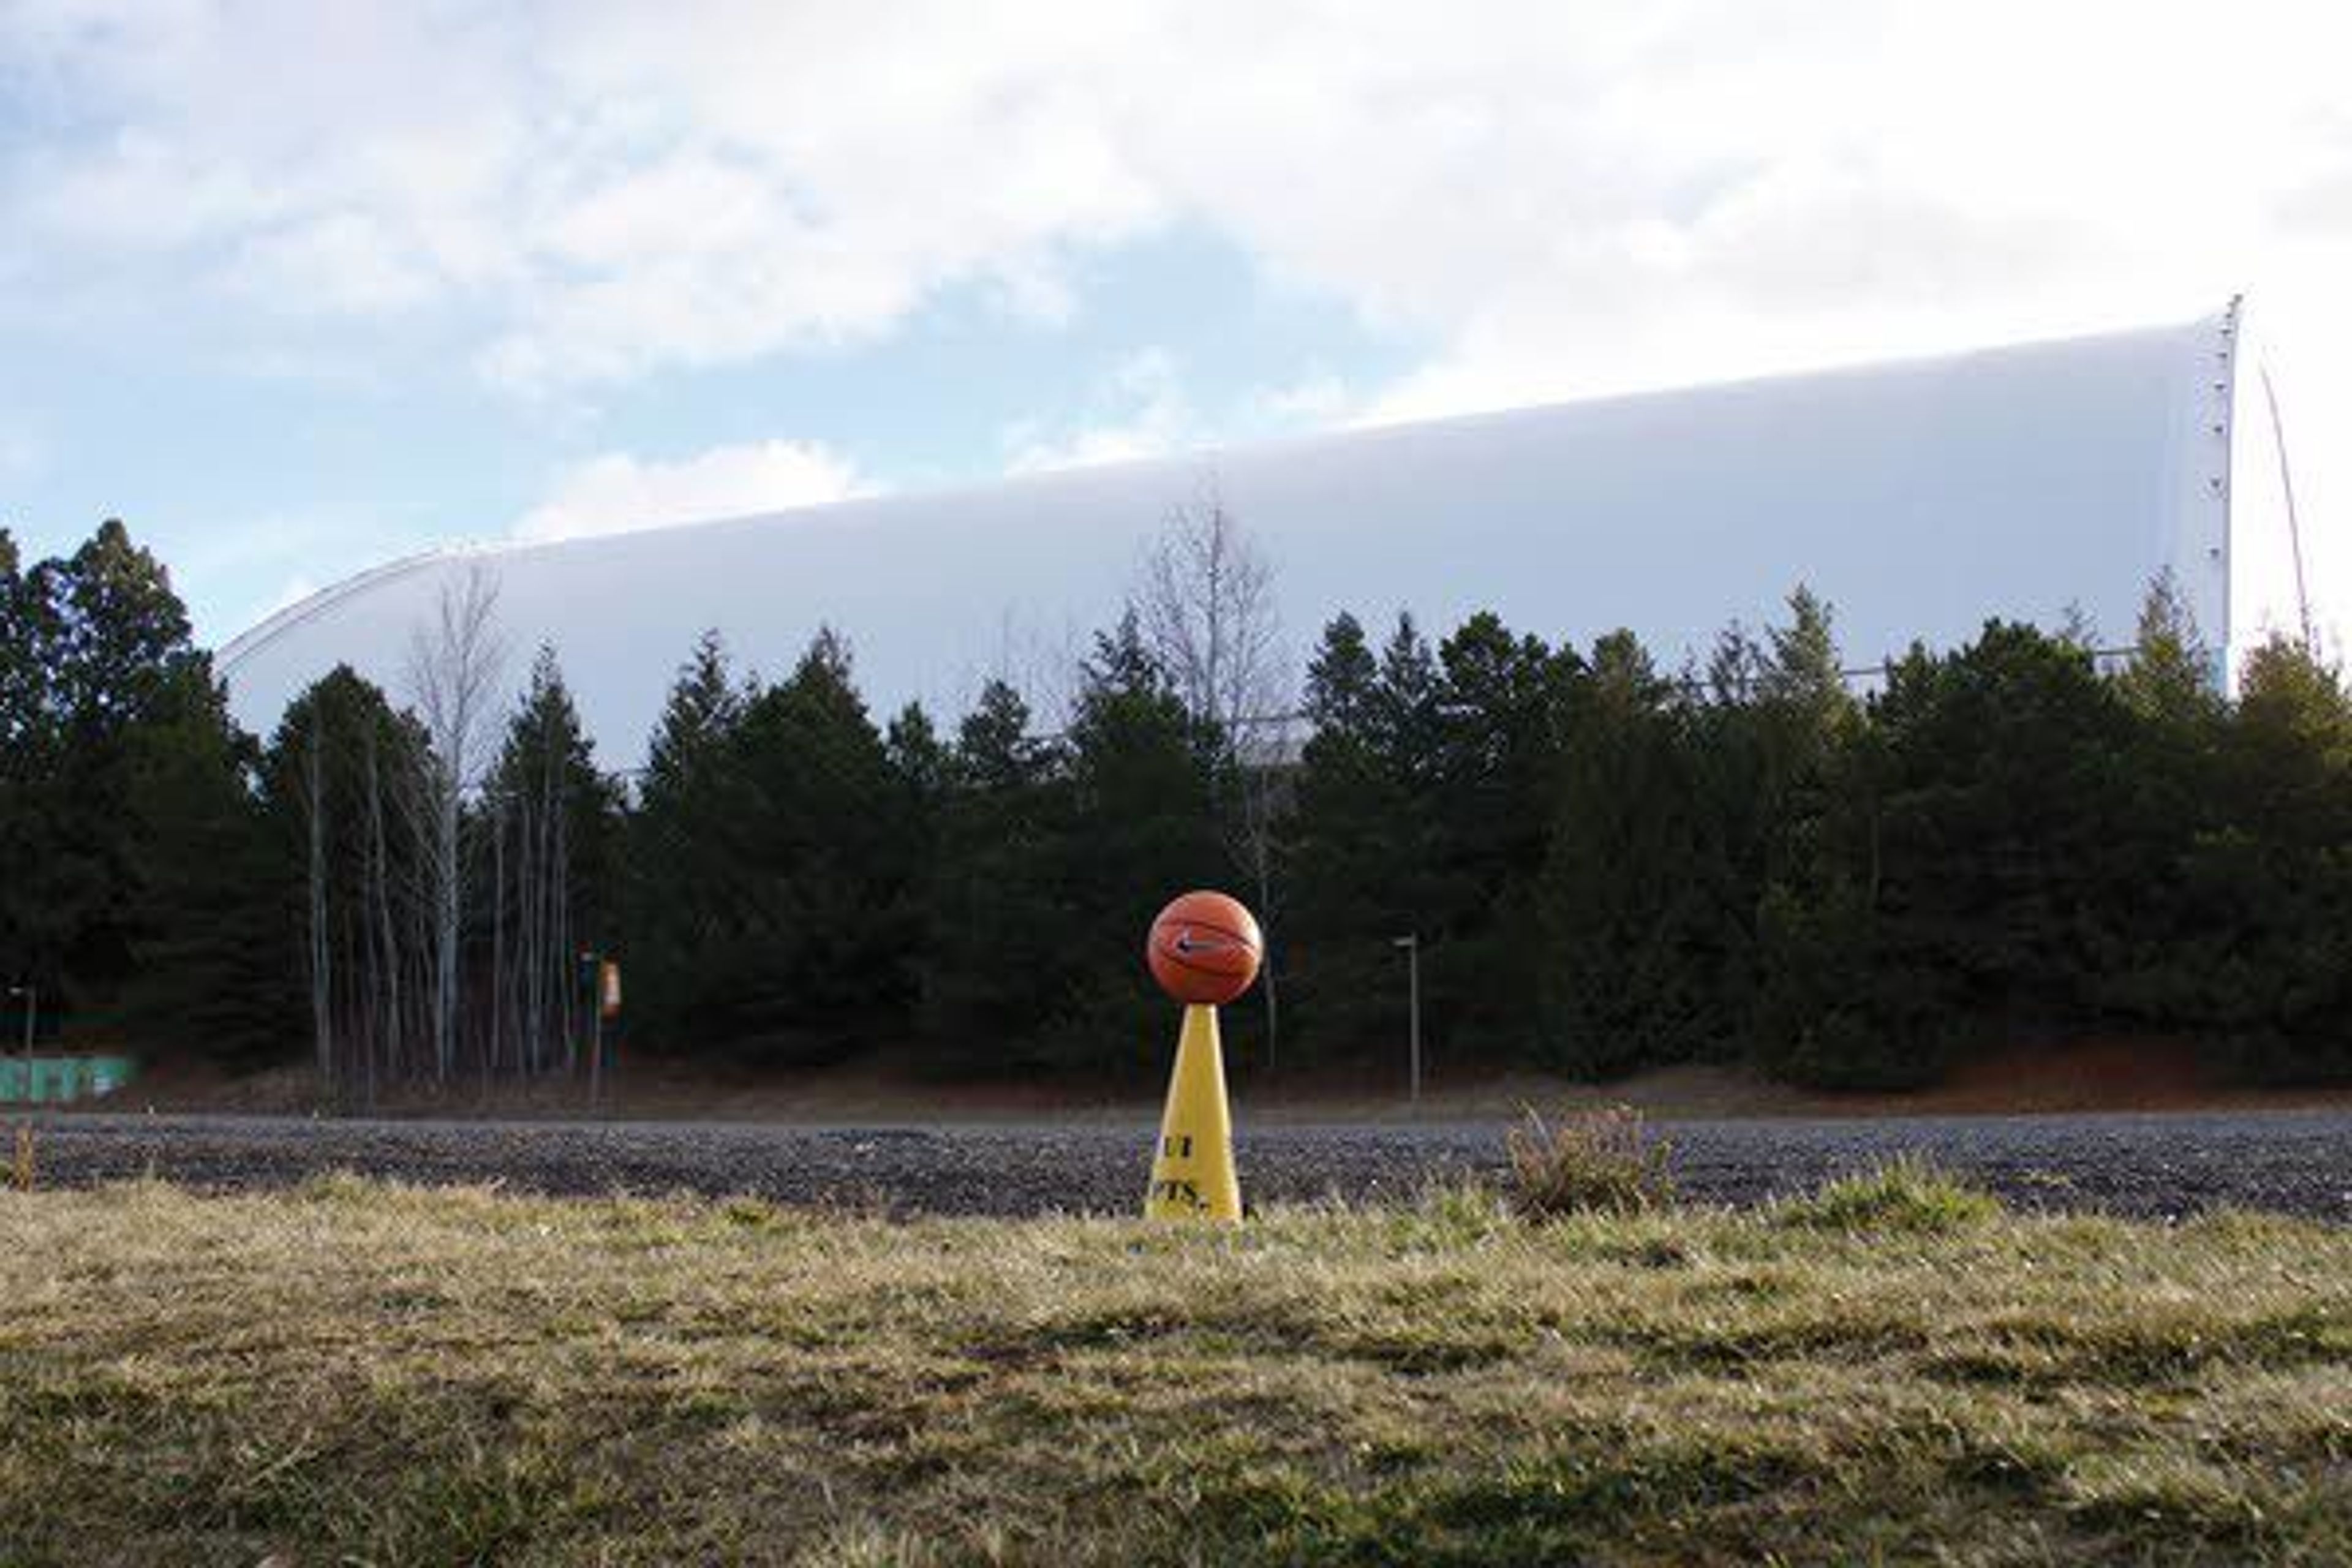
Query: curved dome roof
pixel 1918 498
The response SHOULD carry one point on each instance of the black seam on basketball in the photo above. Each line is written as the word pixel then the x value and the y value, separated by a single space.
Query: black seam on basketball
pixel 1234 937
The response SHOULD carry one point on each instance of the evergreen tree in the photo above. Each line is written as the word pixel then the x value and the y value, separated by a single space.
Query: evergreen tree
pixel 24 707
pixel 921 770
pixel 351 880
pixel 919 760
pixel 26 748
pixel 698 724
pixel 2170 678
pixel 1809 1006
pixel 2166 798
pixel 1603 865
pixel 1492 804
pixel 211 972
pixel 2273 880
pixel 1969 893
pixel 1405 721
pixel 1752 745
pixel 815 955
pixel 1349 900
pixel 686 884
pixel 128 821
pixel 554 867
pixel 1341 682
pixel 1627 980
pixel 1004 958
pixel 1143 828
pixel 108 642
pixel 124 644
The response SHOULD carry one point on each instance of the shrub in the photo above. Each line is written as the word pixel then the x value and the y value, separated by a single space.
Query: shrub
pixel 1906 1194
pixel 1603 1160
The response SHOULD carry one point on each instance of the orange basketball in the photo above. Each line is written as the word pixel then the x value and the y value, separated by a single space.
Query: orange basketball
pixel 1204 948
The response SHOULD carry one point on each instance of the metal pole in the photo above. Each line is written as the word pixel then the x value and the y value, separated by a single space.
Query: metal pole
pixel 2294 529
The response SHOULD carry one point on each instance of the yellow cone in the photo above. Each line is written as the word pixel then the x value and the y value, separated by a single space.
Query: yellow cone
pixel 1193 1174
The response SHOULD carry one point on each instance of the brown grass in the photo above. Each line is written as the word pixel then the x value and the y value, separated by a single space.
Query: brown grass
pixel 1592 1162
pixel 356 1373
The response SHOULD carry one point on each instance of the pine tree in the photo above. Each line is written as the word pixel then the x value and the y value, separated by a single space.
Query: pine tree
pixel 1404 712
pixel 2170 678
pixel 687 882
pixel 110 646
pixel 2273 878
pixel 1347 904
pixel 919 760
pixel 554 824
pixel 210 976
pixel 1003 957
pixel 26 748
pixel 1807 1006
pixel 1143 828
pixel 1496 780
pixel 1626 983
pixel 814 952
pixel 1341 682
pixel 125 636
pixel 698 724
pixel 1973 893
pixel 23 707
pixel 2164 801
pixel 353 878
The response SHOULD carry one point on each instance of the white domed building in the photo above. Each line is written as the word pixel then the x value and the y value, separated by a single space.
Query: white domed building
pixel 2039 482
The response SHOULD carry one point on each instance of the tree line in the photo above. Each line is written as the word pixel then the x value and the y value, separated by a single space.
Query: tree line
pixel 1607 864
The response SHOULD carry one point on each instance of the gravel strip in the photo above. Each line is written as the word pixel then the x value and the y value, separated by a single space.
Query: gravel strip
pixel 2156 1166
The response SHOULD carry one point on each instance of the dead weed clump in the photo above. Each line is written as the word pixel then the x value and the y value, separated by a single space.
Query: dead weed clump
pixel 1600 1161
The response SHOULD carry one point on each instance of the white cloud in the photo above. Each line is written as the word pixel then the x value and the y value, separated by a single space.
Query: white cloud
pixel 616 492
pixel 1143 412
pixel 343 262
pixel 1561 199
pixel 1568 198
pixel 224 563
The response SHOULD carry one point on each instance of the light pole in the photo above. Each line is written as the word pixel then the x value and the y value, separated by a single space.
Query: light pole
pixel 1411 943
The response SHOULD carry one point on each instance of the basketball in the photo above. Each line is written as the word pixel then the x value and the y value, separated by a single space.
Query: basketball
pixel 1204 949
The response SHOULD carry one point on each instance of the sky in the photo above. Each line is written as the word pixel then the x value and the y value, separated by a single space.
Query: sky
pixel 294 289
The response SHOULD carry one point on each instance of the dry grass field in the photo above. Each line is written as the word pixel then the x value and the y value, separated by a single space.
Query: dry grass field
pixel 1894 1371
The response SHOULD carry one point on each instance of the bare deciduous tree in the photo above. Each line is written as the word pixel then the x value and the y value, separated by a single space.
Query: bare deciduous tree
pixel 1206 595
pixel 1206 600
pixel 455 663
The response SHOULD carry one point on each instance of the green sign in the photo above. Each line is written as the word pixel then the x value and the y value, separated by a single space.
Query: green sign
pixel 57 1080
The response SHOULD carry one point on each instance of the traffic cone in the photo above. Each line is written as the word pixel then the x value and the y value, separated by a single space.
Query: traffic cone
pixel 1193 1174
